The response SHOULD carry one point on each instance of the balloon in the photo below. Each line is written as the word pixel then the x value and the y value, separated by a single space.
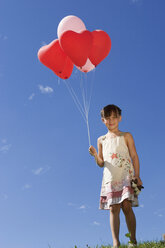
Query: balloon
pixel 55 59
pixel 77 46
pixel 87 67
pixel 67 69
pixel 70 22
pixel 101 46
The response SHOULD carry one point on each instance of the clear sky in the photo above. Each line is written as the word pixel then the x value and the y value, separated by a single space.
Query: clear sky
pixel 49 183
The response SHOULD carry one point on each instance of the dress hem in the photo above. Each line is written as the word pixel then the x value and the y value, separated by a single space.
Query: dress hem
pixel 131 198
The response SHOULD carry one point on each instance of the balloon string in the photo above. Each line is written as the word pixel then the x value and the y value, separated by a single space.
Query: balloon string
pixel 87 110
pixel 85 86
pixel 76 97
pixel 84 96
pixel 58 80
pixel 82 92
pixel 89 139
pixel 75 101
pixel 83 109
pixel 73 92
pixel 91 88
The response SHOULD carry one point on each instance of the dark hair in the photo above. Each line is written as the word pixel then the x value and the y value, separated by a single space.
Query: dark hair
pixel 109 109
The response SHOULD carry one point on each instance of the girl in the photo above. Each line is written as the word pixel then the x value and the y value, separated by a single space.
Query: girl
pixel 115 151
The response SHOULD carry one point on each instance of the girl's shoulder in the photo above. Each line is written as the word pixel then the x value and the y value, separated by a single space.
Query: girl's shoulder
pixel 128 137
pixel 101 138
pixel 125 134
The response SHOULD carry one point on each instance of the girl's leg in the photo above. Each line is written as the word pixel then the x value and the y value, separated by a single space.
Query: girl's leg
pixel 115 223
pixel 130 219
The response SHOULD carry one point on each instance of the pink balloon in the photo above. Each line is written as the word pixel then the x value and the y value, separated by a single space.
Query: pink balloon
pixel 70 22
pixel 87 67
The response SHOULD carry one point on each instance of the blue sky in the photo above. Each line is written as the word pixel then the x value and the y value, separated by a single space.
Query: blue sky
pixel 49 184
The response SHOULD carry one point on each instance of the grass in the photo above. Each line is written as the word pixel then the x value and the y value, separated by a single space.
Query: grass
pixel 147 244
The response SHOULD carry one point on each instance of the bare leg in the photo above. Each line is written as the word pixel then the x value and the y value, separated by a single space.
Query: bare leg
pixel 115 224
pixel 130 219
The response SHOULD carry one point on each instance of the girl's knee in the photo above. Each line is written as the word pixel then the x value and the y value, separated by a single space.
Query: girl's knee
pixel 126 206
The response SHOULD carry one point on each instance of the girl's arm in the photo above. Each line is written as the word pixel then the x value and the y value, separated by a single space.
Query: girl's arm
pixel 98 157
pixel 134 156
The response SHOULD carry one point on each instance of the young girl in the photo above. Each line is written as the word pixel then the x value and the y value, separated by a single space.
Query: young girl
pixel 115 151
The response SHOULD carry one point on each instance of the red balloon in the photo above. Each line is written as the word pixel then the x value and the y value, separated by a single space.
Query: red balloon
pixel 101 46
pixel 55 59
pixel 77 46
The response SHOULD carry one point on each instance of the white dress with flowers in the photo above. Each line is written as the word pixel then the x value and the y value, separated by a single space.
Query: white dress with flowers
pixel 117 173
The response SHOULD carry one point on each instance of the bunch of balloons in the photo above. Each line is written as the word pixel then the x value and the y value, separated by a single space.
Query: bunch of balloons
pixel 75 46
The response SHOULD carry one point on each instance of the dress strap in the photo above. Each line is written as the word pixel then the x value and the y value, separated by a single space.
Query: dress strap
pixel 122 134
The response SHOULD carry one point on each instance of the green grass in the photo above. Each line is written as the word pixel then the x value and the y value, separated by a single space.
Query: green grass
pixel 147 244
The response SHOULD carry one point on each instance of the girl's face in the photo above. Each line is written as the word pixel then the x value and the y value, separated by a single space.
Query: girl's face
pixel 112 121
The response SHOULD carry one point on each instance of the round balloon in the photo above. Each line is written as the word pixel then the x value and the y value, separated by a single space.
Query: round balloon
pixel 70 22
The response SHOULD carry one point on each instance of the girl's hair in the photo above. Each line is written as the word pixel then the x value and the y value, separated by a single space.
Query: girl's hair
pixel 109 109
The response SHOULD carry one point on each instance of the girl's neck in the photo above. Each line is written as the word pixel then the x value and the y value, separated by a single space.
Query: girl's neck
pixel 114 132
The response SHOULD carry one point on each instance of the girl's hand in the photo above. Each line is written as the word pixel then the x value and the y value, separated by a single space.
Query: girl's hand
pixel 139 183
pixel 92 151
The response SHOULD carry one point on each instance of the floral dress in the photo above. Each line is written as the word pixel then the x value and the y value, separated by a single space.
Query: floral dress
pixel 117 173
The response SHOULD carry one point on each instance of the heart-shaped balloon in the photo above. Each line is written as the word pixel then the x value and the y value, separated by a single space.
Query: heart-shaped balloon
pixel 77 46
pixel 53 57
pixel 101 46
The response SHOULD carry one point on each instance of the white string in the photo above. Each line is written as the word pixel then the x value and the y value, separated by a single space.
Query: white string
pixel 91 88
pixel 74 99
pixel 86 86
pixel 83 94
pixel 71 88
pixel 84 109
pixel 84 90
pixel 58 80
pixel 89 139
